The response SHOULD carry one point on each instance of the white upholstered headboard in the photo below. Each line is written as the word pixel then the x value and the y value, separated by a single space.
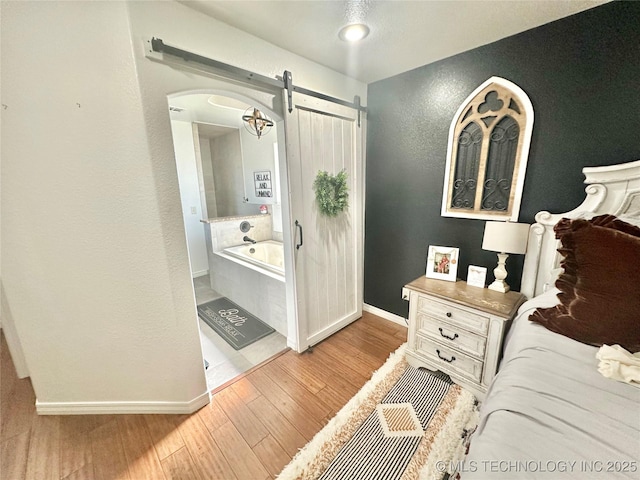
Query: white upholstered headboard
pixel 613 189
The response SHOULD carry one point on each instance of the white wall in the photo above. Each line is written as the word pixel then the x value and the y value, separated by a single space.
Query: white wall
pixel 225 232
pixel 187 170
pixel 88 272
pixel 257 155
pixel 207 178
pixel 95 266
pixel 182 27
pixel 228 176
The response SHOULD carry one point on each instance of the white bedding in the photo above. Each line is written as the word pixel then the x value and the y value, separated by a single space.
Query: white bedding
pixel 550 414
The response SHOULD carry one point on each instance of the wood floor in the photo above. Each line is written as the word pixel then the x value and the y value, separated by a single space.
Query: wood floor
pixel 250 431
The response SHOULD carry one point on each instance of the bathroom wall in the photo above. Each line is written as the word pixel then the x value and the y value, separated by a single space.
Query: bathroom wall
pixel 229 160
pixel 258 156
pixel 228 176
pixel 276 214
pixel 225 232
pixel 186 165
pixel 209 187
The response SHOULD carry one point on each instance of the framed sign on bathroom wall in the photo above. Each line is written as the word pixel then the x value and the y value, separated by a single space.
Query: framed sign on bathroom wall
pixel 262 182
pixel 442 263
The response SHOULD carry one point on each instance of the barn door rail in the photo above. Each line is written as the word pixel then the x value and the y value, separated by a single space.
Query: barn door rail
pixel 285 82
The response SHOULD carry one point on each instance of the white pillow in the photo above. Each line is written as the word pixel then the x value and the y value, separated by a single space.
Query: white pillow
pixel 544 300
pixel 553 276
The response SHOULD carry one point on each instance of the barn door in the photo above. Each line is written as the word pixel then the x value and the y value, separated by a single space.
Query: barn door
pixel 328 251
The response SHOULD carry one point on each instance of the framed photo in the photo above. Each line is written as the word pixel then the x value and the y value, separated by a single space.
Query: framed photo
pixel 442 262
pixel 476 276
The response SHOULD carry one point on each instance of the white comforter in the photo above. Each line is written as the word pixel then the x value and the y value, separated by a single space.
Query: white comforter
pixel 550 414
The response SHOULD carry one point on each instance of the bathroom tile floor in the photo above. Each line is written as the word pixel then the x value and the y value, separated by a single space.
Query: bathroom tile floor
pixel 226 363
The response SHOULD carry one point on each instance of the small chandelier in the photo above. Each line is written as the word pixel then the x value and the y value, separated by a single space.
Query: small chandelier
pixel 256 122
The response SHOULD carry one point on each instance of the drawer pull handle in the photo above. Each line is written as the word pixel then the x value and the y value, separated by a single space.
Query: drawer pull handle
pixel 448 360
pixel 448 314
pixel 455 335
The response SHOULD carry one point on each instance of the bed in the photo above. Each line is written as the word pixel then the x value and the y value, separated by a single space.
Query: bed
pixel 549 413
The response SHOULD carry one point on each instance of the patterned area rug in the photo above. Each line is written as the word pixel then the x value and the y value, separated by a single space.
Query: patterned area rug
pixel 405 423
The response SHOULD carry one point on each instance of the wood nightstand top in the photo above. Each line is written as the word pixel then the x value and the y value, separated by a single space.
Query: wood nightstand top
pixel 500 304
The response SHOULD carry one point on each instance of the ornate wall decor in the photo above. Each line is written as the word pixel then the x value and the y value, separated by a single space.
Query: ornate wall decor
pixel 487 153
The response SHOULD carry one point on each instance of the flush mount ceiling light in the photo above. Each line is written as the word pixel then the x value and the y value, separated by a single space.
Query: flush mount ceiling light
pixel 257 122
pixel 353 32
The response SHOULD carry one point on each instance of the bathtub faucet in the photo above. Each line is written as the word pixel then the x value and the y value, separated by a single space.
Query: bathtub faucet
pixel 247 239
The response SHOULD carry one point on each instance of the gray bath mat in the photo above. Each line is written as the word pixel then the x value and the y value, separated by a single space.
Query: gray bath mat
pixel 233 323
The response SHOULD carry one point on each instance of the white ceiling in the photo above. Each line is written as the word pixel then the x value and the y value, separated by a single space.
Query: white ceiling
pixel 404 34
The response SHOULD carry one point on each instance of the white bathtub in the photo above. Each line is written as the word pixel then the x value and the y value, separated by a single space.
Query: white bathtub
pixel 253 279
pixel 267 255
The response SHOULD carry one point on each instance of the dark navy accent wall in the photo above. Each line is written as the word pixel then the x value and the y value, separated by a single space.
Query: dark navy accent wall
pixel 582 74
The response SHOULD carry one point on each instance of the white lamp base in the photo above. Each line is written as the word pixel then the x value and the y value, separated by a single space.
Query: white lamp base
pixel 500 272
pixel 499 286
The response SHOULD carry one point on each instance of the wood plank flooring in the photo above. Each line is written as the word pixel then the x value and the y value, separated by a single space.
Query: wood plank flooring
pixel 250 431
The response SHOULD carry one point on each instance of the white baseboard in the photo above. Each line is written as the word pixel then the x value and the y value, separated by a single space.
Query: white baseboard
pixel 200 273
pixel 392 317
pixel 85 408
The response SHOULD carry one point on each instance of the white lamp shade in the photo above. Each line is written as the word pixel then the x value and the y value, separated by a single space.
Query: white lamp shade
pixel 506 237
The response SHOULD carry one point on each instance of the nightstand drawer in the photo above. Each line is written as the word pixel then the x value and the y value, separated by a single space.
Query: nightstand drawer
pixel 451 335
pixel 449 360
pixel 456 316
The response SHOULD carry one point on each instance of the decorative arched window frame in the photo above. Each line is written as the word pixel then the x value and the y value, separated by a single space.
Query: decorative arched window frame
pixel 513 103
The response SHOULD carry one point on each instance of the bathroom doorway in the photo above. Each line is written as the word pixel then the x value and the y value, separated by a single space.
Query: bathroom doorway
pixel 231 198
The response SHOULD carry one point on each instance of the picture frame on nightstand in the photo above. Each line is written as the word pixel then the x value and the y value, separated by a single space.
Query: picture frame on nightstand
pixel 476 276
pixel 442 262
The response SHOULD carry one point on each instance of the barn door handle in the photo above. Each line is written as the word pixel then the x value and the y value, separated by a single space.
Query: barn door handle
pixel 299 225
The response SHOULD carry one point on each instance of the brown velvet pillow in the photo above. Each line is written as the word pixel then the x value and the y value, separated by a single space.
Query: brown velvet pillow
pixel 600 287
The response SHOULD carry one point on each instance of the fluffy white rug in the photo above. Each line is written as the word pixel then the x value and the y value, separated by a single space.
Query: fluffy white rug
pixel 437 450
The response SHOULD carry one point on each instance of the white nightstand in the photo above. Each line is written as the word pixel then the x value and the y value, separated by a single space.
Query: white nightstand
pixel 458 329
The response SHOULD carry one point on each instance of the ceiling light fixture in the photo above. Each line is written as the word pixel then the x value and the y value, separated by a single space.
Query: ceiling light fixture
pixel 353 32
pixel 257 122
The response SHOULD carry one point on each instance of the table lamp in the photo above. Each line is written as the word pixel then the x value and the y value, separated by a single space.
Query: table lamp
pixel 504 238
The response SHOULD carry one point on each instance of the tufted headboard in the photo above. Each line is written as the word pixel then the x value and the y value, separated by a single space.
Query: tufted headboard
pixel 613 189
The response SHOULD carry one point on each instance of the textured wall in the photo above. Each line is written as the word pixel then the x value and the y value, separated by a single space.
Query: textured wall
pixel 84 265
pixel 582 75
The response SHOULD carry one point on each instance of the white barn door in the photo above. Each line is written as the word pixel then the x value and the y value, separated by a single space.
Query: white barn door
pixel 328 251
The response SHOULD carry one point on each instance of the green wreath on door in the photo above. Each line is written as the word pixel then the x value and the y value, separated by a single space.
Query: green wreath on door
pixel 332 192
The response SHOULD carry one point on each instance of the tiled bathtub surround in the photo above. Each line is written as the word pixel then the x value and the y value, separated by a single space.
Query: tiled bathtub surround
pixel 225 231
pixel 261 294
